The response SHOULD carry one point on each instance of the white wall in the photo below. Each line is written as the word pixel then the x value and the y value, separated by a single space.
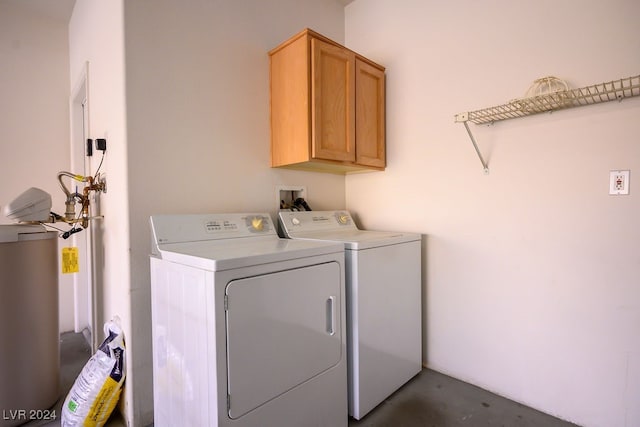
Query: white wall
pixel 531 285
pixel 34 113
pixel 96 36
pixel 198 126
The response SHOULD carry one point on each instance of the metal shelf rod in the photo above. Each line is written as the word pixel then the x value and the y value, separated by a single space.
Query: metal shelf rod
pixel 473 141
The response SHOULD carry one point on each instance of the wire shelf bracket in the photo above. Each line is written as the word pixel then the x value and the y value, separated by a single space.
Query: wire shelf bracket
pixel 615 90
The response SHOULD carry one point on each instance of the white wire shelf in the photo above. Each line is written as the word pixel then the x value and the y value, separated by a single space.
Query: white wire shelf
pixel 615 90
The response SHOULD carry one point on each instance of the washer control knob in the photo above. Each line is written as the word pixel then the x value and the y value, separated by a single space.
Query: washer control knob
pixel 295 221
pixel 343 219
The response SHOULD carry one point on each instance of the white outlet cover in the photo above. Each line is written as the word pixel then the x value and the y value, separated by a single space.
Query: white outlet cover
pixel 619 182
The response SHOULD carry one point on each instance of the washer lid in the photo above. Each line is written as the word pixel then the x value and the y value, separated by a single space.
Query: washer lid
pixel 359 239
pixel 338 226
pixel 20 232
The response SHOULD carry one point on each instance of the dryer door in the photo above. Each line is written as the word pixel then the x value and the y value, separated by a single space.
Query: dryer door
pixel 283 328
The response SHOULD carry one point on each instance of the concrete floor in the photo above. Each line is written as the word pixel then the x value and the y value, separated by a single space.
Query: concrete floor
pixel 430 399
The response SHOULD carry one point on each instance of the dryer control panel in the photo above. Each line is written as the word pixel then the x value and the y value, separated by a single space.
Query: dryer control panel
pixel 309 221
pixel 238 225
pixel 167 229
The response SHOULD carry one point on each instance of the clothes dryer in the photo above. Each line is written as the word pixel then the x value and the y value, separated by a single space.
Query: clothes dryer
pixel 383 279
pixel 248 328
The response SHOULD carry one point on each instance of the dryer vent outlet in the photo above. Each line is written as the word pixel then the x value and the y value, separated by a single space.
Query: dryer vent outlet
pixel 286 195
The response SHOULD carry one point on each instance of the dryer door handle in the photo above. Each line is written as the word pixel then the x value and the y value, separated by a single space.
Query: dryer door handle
pixel 330 315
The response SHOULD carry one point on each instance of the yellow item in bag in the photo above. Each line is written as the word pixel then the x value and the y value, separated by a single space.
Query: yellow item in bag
pixel 97 389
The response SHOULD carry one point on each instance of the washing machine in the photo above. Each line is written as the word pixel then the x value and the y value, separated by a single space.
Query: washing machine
pixel 383 279
pixel 248 328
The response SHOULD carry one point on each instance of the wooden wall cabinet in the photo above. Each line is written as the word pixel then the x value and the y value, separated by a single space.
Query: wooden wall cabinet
pixel 327 107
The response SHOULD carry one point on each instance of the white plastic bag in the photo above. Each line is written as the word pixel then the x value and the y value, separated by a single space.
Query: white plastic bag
pixel 97 389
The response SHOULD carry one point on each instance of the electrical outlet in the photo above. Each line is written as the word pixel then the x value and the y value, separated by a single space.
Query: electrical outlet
pixel 619 182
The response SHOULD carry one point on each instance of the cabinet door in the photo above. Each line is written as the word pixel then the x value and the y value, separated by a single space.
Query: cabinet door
pixel 370 115
pixel 333 106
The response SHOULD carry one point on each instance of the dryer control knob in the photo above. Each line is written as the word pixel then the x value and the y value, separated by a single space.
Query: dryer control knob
pixel 343 219
pixel 295 221
pixel 257 223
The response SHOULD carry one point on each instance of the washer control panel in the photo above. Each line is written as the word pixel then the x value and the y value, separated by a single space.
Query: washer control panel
pixel 308 221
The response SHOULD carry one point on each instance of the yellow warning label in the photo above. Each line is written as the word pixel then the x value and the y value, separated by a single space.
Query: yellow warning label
pixel 70 260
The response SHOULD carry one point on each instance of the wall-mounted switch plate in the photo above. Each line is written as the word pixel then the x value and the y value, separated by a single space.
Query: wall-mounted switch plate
pixel 619 182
